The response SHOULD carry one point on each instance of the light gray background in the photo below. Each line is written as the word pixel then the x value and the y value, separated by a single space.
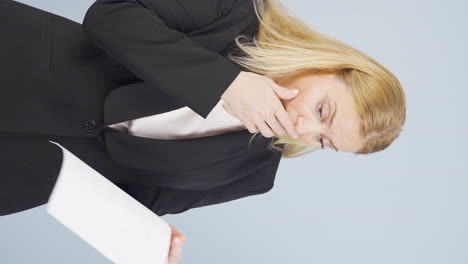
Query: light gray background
pixel 407 204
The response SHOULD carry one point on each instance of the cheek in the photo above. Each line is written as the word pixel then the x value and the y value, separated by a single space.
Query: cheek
pixel 306 139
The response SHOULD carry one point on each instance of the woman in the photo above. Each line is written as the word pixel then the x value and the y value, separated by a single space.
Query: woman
pixel 95 89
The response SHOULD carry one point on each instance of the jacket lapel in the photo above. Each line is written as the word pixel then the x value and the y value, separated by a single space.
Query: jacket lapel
pixel 180 155
pixel 134 101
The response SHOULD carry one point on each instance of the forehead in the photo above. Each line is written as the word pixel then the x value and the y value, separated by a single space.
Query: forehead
pixel 345 129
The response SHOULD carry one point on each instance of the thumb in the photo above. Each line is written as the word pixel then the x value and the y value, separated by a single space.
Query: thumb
pixel 285 93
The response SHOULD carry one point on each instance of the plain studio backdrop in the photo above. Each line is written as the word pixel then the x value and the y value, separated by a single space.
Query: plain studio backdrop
pixel 405 205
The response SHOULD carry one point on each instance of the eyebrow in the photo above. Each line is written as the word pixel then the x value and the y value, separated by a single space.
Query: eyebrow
pixel 331 122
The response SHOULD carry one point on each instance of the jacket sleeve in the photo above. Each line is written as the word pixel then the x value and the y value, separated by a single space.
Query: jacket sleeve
pixel 163 200
pixel 134 33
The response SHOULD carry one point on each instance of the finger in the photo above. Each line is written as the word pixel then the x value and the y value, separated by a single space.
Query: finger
pixel 283 92
pixel 266 131
pixel 176 250
pixel 251 127
pixel 181 237
pixel 174 232
pixel 172 260
pixel 275 125
pixel 286 122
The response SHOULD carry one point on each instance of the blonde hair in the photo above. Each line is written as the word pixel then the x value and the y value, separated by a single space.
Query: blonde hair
pixel 285 45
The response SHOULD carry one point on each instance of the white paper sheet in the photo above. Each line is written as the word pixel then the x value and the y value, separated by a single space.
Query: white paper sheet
pixel 110 220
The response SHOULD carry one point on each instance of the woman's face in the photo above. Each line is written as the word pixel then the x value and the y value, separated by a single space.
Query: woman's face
pixel 337 124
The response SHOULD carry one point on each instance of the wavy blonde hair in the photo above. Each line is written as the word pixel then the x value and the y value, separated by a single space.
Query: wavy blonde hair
pixel 285 45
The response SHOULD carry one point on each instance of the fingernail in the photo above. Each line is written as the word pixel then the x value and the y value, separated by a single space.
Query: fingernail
pixel 295 90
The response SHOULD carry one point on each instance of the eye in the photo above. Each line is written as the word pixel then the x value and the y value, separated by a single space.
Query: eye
pixel 321 109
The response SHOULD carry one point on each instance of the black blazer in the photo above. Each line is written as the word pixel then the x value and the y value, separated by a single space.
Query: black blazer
pixel 132 58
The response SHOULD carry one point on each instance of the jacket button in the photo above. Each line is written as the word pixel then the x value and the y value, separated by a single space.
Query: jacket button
pixel 89 126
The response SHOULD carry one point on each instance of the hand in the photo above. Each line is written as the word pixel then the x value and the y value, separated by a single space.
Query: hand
pixel 177 241
pixel 255 100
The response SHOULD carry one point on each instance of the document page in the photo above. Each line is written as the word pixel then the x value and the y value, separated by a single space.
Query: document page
pixel 103 215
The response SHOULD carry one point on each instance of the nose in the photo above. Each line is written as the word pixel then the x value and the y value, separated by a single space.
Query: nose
pixel 310 126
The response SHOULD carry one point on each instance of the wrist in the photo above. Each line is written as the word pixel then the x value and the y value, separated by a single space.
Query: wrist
pixel 233 84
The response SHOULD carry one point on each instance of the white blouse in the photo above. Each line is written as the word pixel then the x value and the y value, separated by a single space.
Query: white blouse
pixel 181 123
